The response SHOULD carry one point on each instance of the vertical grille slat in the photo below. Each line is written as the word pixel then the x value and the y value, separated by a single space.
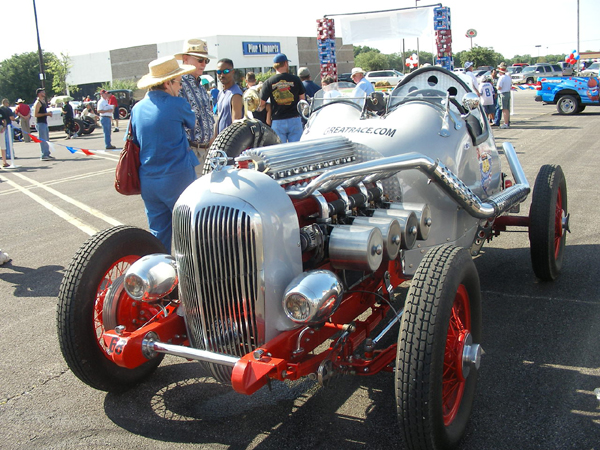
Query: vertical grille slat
pixel 219 265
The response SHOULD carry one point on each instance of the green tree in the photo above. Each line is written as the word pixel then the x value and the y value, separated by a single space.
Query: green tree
pixel 358 49
pixel 19 76
pixel 119 84
pixel 372 61
pixel 480 56
pixel 59 68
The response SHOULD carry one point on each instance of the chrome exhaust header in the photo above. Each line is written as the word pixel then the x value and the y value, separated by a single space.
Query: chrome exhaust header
pixel 380 169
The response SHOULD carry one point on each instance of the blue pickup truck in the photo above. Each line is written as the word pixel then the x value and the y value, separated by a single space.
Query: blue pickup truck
pixel 570 94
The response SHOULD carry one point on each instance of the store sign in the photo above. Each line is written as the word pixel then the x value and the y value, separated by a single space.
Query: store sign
pixel 261 48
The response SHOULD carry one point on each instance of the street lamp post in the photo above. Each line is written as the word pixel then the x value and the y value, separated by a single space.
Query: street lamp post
pixel 40 55
pixel 538 47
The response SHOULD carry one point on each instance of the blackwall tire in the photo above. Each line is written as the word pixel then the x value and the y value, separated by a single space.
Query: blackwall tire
pixel 97 264
pixel 240 136
pixel 78 127
pixel 547 216
pixel 567 105
pixel 434 396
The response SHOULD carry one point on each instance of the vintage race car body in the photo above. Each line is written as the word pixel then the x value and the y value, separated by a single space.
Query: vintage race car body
pixel 287 264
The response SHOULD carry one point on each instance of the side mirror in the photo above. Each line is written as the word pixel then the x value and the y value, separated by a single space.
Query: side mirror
pixel 303 109
pixel 470 101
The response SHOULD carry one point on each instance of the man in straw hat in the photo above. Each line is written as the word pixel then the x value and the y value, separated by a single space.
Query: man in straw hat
pixel 504 87
pixel 200 136
pixel 157 126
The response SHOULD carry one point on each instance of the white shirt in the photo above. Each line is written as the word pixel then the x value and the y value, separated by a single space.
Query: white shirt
pixel 103 106
pixel 486 91
pixel 471 75
pixel 504 83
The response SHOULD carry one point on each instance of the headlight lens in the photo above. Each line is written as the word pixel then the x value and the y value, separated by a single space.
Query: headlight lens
pixel 312 297
pixel 151 277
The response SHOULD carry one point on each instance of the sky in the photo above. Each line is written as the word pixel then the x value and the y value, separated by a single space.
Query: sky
pixel 509 27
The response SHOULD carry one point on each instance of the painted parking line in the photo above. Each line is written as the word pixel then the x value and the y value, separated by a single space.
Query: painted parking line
pixel 93 211
pixel 89 230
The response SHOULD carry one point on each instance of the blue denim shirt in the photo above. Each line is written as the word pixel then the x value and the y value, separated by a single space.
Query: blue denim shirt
pixel 157 124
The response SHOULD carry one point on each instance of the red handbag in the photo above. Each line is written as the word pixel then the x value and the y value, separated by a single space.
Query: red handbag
pixel 127 177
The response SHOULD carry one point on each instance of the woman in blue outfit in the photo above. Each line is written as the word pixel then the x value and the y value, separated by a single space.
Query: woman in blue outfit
pixel 157 126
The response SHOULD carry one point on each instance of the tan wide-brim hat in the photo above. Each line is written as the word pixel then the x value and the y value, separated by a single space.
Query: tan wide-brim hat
pixel 163 69
pixel 194 47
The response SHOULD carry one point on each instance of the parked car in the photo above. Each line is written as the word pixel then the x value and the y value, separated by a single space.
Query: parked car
pixel 514 69
pixel 530 74
pixel 591 70
pixel 391 76
pixel 484 68
pixel 567 69
pixel 520 64
pixel 459 70
pixel 125 100
pixel 347 77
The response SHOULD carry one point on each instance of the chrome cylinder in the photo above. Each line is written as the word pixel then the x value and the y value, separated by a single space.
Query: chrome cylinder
pixel 409 225
pixel 423 212
pixel 355 247
pixel 390 230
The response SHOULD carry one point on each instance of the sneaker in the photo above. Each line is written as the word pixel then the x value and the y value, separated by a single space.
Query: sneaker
pixel 5 165
pixel 504 126
pixel 115 130
pixel 68 137
pixel 111 147
pixel 46 158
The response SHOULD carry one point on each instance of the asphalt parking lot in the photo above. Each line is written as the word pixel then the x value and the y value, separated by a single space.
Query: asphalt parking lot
pixel 541 340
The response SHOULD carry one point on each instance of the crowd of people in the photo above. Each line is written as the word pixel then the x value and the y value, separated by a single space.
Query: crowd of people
pixel 494 93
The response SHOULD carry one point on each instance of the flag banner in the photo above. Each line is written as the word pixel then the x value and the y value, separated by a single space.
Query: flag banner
pixel 73 150
pixel 378 27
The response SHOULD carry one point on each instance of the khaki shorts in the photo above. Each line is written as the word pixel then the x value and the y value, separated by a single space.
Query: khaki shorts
pixel 504 100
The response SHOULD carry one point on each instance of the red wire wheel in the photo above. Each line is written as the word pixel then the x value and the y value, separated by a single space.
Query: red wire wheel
pixel 548 222
pixel 92 299
pixel 438 350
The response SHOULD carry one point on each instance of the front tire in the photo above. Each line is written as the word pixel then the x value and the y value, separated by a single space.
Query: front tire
pixel 548 222
pixel 434 384
pixel 99 264
pixel 567 105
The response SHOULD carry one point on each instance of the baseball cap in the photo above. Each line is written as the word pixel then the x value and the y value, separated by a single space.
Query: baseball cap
pixel 103 91
pixel 356 70
pixel 468 64
pixel 38 90
pixel 304 72
pixel 280 58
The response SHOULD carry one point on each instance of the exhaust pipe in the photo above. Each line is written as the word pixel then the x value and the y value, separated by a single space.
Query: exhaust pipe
pixel 382 168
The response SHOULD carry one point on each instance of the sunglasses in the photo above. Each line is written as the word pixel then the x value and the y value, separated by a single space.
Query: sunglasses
pixel 224 71
pixel 202 60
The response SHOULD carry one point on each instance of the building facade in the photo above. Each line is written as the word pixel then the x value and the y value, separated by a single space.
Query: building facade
pixel 248 53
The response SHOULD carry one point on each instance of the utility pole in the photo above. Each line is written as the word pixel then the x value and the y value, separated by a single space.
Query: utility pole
pixel 40 55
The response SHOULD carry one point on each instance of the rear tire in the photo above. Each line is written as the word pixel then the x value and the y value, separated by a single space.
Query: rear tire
pixel 434 390
pixel 567 105
pixel 547 235
pixel 98 264
pixel 240 136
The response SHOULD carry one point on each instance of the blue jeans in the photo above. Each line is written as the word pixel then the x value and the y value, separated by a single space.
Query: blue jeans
pixel 160 196
pixel 105 122
pixel 44 136
pixel 288 130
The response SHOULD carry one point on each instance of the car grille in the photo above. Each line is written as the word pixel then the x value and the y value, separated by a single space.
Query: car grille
pixel 218 265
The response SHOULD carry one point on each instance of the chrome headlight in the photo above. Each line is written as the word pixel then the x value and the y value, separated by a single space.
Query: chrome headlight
pixel 312 297
pixel 151 277
pixel 470 101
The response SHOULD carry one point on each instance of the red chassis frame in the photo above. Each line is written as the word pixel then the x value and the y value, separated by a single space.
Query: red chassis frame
pixel 288 356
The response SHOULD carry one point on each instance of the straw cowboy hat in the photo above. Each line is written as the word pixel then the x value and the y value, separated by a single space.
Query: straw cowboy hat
pixel 163 69
pixel 194 47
